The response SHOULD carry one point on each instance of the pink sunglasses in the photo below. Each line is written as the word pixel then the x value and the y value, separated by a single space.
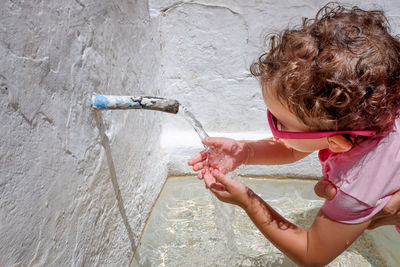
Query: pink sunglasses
pixel 308 135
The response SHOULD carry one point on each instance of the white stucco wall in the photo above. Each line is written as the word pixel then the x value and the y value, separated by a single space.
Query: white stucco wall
pixel 57 201
pixel 207 49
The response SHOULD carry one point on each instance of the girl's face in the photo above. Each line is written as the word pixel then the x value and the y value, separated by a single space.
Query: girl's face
pixel 287 121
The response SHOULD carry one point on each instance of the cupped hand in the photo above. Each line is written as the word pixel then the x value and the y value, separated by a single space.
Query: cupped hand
pixel 226 189
pixel 224 154
pixel 389 215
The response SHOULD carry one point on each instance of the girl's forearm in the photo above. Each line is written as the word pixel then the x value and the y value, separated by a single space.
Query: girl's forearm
pixel 270 152
pixel 318 246
pixel 287 237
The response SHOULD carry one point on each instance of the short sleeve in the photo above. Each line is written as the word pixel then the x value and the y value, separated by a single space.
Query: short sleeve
pixel 347 209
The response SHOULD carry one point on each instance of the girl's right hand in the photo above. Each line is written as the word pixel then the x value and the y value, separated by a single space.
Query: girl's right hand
pixel 224 154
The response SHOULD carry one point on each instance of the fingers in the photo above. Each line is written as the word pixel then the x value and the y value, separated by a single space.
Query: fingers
pixel 222 179
pixel 393 206
pixel 388 220
pixel 374 224
pixel 201 174
pixel 209 179
pixel 389 215
pixel 200 166
pixel 217 187
pixel 198 158
pixel 211 182
pixel 325 189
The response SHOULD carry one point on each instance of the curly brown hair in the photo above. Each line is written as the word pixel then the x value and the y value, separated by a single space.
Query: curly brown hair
pixel 338 71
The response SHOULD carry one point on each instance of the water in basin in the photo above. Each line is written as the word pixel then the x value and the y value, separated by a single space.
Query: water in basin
pixel 183 229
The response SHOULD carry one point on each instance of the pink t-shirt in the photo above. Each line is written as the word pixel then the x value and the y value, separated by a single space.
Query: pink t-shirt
pixel 366 177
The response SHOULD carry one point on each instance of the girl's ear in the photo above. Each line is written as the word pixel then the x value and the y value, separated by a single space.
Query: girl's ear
pixel 339 144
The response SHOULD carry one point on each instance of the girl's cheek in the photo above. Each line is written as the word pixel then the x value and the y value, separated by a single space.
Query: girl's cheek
pixel 290 143
pixel 303 145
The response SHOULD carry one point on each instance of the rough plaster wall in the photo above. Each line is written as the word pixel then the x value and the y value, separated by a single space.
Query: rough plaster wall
pixel 207 49
pixel 57 203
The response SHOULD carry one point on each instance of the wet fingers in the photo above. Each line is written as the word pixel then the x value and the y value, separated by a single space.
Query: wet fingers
pixel 200 166
pixel 198 158
pixel 208 179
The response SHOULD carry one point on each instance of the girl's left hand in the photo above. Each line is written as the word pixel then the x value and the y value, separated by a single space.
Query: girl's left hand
pixel 226 189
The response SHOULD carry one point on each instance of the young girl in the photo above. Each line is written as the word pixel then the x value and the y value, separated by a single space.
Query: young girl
pixel 331 85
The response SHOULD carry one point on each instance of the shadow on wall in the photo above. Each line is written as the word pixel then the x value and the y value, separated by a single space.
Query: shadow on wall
pixel 106 144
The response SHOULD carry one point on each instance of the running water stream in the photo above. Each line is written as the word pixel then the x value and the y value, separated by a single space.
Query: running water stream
pixel 191 119
pixel 224 213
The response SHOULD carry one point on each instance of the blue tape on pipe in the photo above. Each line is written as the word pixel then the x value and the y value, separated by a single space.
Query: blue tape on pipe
pixel 100 101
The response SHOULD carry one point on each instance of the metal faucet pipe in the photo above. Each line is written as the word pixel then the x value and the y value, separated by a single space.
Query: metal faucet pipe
pixel 135 102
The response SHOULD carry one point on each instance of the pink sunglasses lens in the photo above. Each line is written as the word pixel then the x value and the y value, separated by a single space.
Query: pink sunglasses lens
pixel 272 121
